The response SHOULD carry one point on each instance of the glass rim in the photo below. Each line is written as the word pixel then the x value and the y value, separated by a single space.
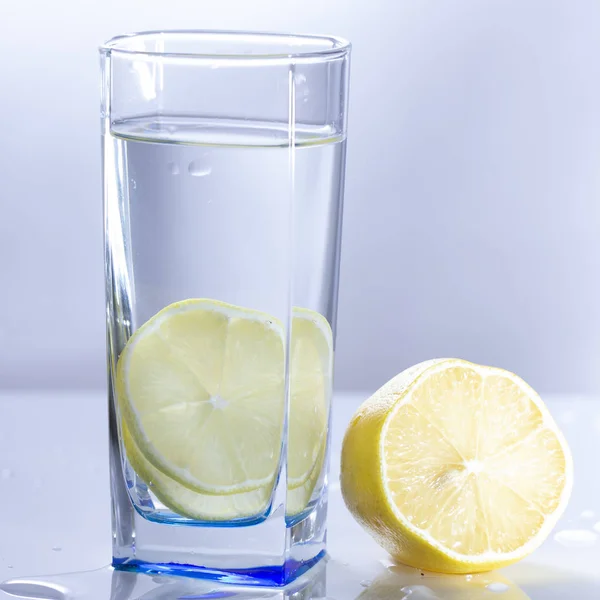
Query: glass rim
pixel 335 46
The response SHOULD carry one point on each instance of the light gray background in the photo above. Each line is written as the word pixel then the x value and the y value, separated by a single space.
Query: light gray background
pixel 472 223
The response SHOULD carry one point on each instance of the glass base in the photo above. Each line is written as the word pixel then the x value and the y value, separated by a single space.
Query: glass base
pixel 258 576
pixel 272 552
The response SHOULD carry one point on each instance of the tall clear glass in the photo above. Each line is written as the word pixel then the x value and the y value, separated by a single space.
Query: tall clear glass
pixel 223 182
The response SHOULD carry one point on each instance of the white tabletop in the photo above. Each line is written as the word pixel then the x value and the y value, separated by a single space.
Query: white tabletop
pixel 55 517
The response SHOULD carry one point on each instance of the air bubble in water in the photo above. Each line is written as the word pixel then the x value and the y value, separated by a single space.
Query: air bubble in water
pixel 498 588
pixel 199 168
pixel 576 538
pixel 56 548
pixel 366 582
pixel 173 168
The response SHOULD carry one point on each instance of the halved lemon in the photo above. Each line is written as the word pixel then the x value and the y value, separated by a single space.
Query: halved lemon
pixel 456 467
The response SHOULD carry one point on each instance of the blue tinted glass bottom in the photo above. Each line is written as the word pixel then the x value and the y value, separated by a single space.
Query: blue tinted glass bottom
pixel 259 576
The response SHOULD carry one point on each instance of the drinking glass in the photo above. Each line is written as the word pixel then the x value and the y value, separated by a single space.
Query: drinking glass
pixel 223 177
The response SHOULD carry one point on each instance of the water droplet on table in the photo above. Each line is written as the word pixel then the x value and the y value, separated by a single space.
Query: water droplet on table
pixel 173 168
pixel 587 514
pixel 199 168
pixel 59 587
pixel 6 473
pixel 366 582
pixel 56 548
pixel 32 589
pixel 576 538
pixel 498 588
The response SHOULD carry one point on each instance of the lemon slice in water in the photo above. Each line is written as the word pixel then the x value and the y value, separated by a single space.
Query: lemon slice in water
pixel 190 503
pixel 311 366
pixel 201 389
pixel 201 392
pixel 311 372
